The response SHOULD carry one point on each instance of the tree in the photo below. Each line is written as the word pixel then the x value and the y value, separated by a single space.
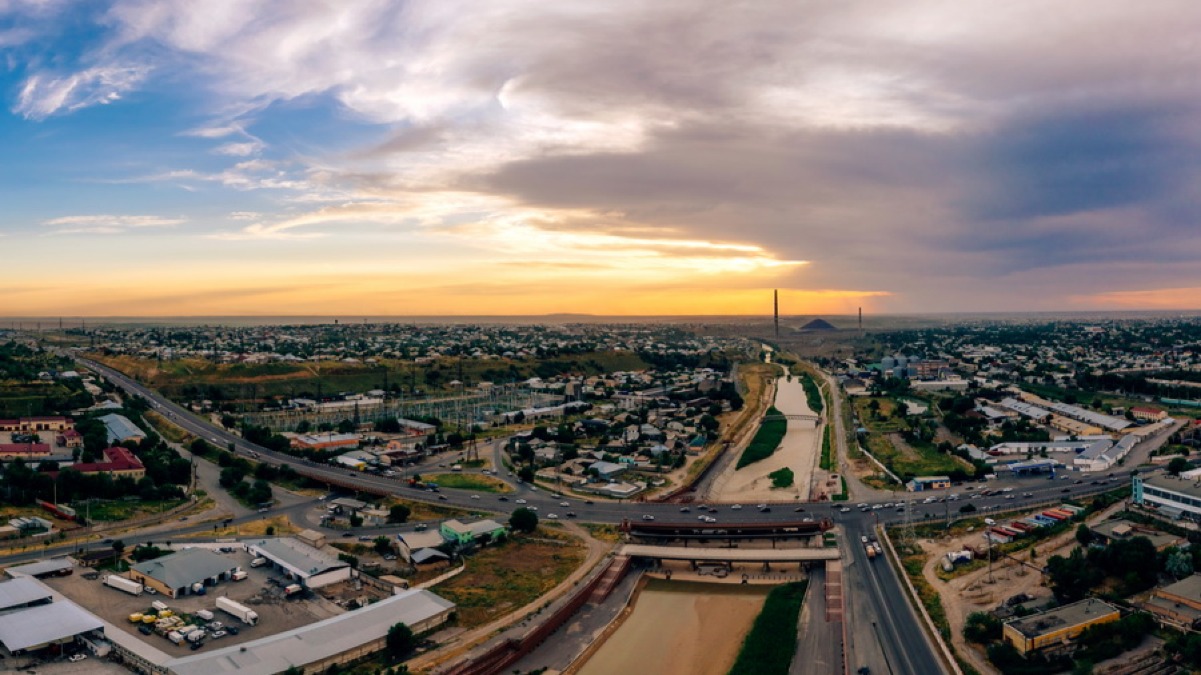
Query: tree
pixel 1178 465
pixel 967 508
pixel 399 642
pixel 1179 564
pixel 523 520
pixel 383 545
pixel 526 473
pixel 1084 535
pixel 982 627
pixel 356 520
pixel 398 513
pixel 119 547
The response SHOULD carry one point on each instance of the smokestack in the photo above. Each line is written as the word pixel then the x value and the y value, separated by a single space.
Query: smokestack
pixel 776 310
pixel 861 319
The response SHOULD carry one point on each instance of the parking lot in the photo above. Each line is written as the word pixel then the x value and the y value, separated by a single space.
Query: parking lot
pixel 262 591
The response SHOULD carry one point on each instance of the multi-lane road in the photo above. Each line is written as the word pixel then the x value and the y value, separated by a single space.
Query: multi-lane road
pixel 884 632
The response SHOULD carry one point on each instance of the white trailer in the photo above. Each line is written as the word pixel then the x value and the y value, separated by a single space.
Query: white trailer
pixel 246 614
pixel 175 637
pixel 205 614
pixel 123 584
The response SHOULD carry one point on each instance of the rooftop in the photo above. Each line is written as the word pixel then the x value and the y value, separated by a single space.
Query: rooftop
pixel 1188 587
pixel 1063 617
pixel 316 641
pixel 33 569
pixel 1182 486
pixel 45 623
pixel 296 555
pixel 120 428
pixel 21 592
pixel 186 567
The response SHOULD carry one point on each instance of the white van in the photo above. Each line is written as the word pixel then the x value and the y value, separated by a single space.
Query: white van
pixel 258 562
pixel 990 522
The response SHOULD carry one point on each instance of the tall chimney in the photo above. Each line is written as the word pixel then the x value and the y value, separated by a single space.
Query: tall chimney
pixel 776 310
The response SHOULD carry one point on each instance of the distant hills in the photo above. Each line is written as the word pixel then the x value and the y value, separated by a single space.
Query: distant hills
pixel 818 324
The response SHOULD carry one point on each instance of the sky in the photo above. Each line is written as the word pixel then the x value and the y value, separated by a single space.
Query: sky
pixel 676 157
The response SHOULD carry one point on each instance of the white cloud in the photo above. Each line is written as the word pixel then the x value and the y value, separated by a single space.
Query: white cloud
pixel 108 224
pixel 45 94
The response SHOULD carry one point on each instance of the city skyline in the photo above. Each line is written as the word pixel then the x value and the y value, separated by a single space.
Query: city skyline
pixel 170 158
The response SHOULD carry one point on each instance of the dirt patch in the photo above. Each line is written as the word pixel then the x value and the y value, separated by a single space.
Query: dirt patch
pixel 500 578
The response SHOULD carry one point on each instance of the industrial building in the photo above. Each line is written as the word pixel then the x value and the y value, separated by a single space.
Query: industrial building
pixel 54 567
pixel 1178 604
pixel 118 461
pixel 1173 497
pixel 175 575
pixel 341 639
pixel 119 429
pixel 310 567
pixel 1054 629
pixel 923 483
pixel 32 619
pixel 466 533
pixel 1120 529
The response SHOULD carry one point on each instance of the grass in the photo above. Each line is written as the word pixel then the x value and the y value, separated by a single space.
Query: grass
pixel 167 430
pixel 927 460
pixel 469 481
pixel 109 511
pixel 256 528
pixel 813 393
pixel 419 511
pixel 601 532
pixel 827 460
pixel 769 647
pixel 766 439
pixel 501 579
pixel 912 560
pixel 782 478
pixel 846 494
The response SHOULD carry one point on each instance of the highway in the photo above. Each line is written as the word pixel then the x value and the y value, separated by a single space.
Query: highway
pixel 884 633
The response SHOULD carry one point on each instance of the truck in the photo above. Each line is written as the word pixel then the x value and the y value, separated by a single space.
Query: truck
pixel 198 588
pixel 239 575
pixel 247 615
pixel 871 551
pixel 258 562
pixel 122 584
pixel 159 606
pixel 174 636
pixel 292 589
pixel 205 614
pixel 196 636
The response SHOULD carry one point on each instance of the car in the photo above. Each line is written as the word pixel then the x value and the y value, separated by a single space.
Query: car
pixel 1009 497
pixel 76 658
pixel 347 534
pixel 1077 482
pixel 183 518
pixel 701 517
pixel 685 509
pixel 196 645
pixel 765 509
pixel 503 498
pixel 863 539
pixel 532 508
pixel 861 505
pixel 761 506
pixel 441 498
pixel 571 514
pixel 1066 490
pixel 564 504
pixel 799 509
pixel 364 538
pixel 1027 494
pixel 262 510
pixel 712 510
pixel 647 516
pixel 232 630
pixel 145 630
pixel 710 519
pixel 218 634
pixel 900 509
pixel 151 591
pixel 552 516
pixel 107 541
pixel 737 507
pixel 589 502
pixel 389 557
pixel 421 528
pixel 844 510
pixel 522 501
pixel 475 496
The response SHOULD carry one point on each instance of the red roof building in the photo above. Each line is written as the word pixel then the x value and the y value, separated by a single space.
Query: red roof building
pixel 119 462
pixel 11 451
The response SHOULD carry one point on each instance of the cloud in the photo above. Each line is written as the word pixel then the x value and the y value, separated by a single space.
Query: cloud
pixel 45 94
pixel 108 224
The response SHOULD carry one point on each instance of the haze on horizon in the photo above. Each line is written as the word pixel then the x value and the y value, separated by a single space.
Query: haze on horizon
pixel 278 157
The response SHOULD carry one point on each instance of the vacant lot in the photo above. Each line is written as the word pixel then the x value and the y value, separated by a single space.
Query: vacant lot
pixel 500 579
pixel 470 481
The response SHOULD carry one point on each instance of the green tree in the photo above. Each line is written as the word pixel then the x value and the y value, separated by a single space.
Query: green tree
pixel 523 520
pixel 119 547
pixel 1178 465
pixel 1178 564
pixel 383 545
pixel 356 520
pixel 1084 535
pixel 982 628
pixel 398 513
pixel 526 473
pixel 400 642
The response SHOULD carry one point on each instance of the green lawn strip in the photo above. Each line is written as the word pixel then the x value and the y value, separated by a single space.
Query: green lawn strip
pixel 769 647
pixel 827 462
pixel 766 439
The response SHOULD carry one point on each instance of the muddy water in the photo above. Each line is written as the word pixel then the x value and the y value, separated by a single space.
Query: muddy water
pixel 680 628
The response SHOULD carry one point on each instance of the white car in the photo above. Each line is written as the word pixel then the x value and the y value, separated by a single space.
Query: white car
pixel 844 510
pixel 761 506
pixel 552 516
pixel 76 658
pixel 737 507
pixel 521 501
pixel 564 504
pixel 648 516
pixel 475 496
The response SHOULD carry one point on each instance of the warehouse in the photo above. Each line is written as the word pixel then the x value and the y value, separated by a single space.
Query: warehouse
pixel 54 623
pixel 341 639
pixel 311 567
pixel 1054 629
pixel 177 574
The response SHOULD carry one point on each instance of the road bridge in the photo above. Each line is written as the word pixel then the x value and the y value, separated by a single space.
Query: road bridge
pixel 731 555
